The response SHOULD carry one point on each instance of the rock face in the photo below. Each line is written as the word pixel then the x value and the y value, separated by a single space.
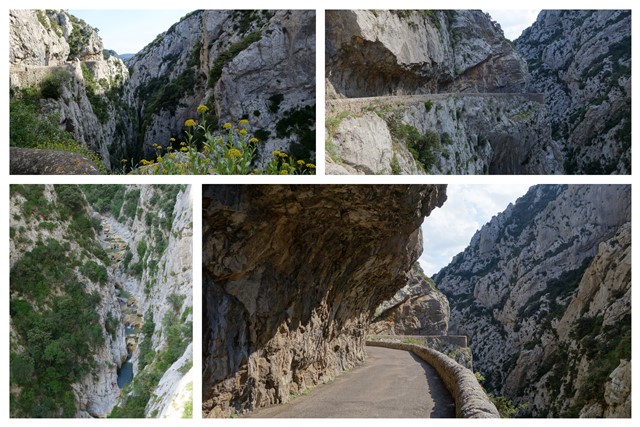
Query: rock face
pixel 255 65
pixel 581 61
pixel 577 66
pixel 78 235
pixel 416 309
pixel 30 161
pixel 404 52
pixel 258 65
pixel 543 292
pixel 292 276
pixel 158 275
pixel 93 393
pixel 477 118
pixel 440 134
pixel 61 58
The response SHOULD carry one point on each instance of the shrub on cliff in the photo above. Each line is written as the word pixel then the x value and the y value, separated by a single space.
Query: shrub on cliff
pixel 51 86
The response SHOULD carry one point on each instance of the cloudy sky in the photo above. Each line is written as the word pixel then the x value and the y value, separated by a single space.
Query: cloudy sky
pixel 448 230
pixel 513 22
pixel 128 31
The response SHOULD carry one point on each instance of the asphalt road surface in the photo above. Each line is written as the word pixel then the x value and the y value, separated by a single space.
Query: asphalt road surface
pixel 390 384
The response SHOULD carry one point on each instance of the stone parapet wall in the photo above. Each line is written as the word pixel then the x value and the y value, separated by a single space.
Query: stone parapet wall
pixel 358 105
pixel 429 340
pixel 471 400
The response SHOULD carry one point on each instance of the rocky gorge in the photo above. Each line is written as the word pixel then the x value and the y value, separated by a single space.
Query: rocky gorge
pixel 100 302
pixel 241 65
pixel 292 276
pixel 543 292
pixel 444 92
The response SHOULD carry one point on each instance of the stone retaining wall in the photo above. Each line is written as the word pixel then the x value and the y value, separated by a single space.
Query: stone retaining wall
pixel 471 400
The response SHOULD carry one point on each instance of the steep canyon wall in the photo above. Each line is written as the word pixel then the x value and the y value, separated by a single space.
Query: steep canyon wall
pixel 544 293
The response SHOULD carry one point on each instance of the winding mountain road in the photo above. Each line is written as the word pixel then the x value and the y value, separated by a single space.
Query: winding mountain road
pixel 390 384
pixel 358 105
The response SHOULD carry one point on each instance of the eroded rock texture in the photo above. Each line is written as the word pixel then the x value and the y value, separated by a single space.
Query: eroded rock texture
pixel 403 52
pixel 581 61
pixel 544 294
pixel 243 64
pixel 416 309
pixel 474 115
pixel 53 49
pixel 292 275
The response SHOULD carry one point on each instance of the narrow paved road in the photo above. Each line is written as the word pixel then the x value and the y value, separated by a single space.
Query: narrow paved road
pixel 390 384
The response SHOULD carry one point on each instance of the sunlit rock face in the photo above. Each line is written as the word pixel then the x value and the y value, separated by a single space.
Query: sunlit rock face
pixel 543 292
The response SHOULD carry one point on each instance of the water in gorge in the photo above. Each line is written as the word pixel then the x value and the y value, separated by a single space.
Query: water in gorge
pixel 125 373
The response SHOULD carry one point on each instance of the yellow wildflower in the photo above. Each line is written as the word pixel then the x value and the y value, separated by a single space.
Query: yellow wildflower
pixel 284 172
pixel 158 159
pixel 286 165
pixel 202 108
pixel 234 153
pixel 124 160
pixel 244 122
pixel 172 139
pixel 275 152
pixel 254 140
pixel 311 166
pixel 283 155
pixel 184 149
pixel 242 132
pixel 190 123
pixel 227 125
pixel 300 162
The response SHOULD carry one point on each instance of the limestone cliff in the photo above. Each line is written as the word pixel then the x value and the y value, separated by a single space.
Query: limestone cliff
pixel 581 61
pixel 256 65
pixel 58 65
pixel 416 309
pixel 292 276
pixel 577 71
pixel 77 286
pixel 66 339
pixel 156 224
pixel 473 116
pixel 543 292
pixel 405 52
pixel 440 134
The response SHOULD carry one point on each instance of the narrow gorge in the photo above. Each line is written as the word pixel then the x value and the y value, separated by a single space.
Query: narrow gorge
pixel 543 292
pixel 444 92
pixel 298 280
pixel 101 302
pixel 70 93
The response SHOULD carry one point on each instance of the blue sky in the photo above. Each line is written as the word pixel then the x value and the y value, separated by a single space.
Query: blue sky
pixel 448 230
pixel 513 22
pixel 128 31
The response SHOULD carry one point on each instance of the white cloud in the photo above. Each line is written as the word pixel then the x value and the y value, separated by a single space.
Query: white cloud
pixel 514 22
pixel 448 230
